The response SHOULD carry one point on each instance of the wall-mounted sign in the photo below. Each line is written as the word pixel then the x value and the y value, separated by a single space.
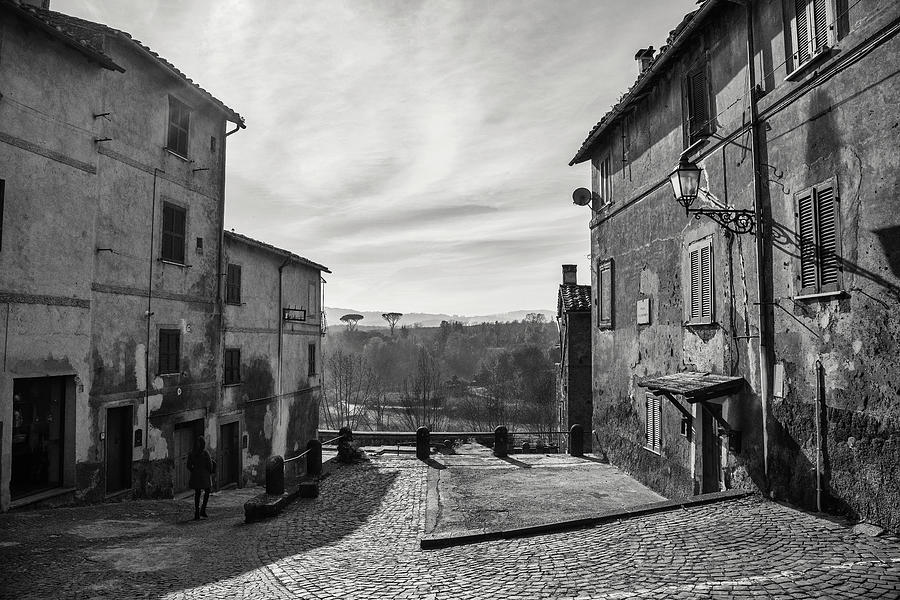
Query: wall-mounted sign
pixel 643 311
pixel 778 387
pixel 294 315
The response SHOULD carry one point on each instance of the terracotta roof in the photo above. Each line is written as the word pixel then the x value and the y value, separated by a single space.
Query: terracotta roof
pixel 574 298
pixel 667 52
pixel 274 250
pixel 87 37
pixel 694 386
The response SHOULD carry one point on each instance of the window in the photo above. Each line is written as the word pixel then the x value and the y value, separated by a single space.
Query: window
pixel 699 115
pixel 179 124
pixel 173 233
pixel 606 183
pixel 311 304
pixel 700 304
pixel 819 233
pixel 232 366
pixel 233 284
pixel 812 33
pixel 311 355
pixel 169 351
pixel 605 295
pixel 653 417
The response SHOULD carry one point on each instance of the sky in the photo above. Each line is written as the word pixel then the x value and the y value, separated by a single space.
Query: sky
pixel 418 149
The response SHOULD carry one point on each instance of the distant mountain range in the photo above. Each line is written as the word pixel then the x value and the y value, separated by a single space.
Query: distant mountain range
pixel 372 319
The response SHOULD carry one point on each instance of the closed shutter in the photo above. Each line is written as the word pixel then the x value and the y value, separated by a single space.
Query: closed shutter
pixel 806 230
pixel 700 304
pixel 173 233
pixel 698 104
pixel 605 282
pixel 820 24
pixel 169 350
pixel 653 422
pixel 803 36
pixel 829 260
pixel 233 284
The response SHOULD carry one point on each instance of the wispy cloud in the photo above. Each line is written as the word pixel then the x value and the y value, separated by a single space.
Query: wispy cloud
pixel 418 149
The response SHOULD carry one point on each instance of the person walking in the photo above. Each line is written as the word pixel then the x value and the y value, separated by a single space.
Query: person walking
pixel 201 466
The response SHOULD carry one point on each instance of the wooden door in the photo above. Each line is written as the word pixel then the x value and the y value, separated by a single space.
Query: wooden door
pixel 118 448
pixel 184 443
pixel 712 449
pixel 229 458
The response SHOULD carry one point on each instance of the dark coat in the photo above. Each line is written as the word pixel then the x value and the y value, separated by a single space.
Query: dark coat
pixel 200 464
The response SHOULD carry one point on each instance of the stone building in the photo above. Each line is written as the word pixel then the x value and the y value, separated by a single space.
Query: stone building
pixel 273 325
pixel 112 171
pixel 573 315
pixel 725 358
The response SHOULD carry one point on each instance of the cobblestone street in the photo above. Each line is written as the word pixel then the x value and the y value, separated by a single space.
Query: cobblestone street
pixel 360 539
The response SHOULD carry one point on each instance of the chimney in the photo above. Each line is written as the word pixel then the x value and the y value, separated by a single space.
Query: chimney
pixel 644 57
pixel 570 276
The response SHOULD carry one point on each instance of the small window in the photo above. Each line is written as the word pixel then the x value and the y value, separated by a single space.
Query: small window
pixel 232 366
pixel 606 181
pixel 173 233
pixel 700 303
pixel 311 302
pixel 652 420
pixel 819 233
pixel 169 351
pixel 700 121
pixel 605 294
pixel 812 29
pixel 311 354
pixel 179 125
pixel 212 144
pixel 233 284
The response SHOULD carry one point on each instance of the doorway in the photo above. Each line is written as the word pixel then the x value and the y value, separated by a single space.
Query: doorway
pixel 713 475
pixel 119 454
pixel 38 435
pixel 230 457
pixel 185 435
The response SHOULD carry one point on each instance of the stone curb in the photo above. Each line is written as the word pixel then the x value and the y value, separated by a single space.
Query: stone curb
pixel 264 505
pixel 446 540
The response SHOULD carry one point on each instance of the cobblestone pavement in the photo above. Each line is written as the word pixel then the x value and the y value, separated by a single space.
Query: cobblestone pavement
pixel 359 539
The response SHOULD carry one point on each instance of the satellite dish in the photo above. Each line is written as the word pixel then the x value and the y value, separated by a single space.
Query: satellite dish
pixel 582 196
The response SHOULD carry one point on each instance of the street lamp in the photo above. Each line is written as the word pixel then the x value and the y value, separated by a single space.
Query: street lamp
pixel 685 180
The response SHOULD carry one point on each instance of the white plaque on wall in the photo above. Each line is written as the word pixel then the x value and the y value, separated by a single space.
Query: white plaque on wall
pixel 643 311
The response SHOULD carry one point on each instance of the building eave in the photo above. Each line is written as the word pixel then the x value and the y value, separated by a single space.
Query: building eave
pixel 280 252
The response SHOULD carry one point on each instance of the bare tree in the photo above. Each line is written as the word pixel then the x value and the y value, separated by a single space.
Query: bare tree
pixel 351 387
pixel 351 320
pixel 422 398
pixel 392 318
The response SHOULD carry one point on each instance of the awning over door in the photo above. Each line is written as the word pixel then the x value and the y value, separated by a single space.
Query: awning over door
pixel 693 386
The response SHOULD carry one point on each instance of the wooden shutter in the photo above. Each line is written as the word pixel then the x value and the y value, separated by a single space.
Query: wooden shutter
pixel 827 237
pixel 806 231
pixel 169 350
pixel 698 103
pixel 820 24
pixel 233 284
pixel 605 283
pixel 803 33
pixel 653 422
pixel 700 303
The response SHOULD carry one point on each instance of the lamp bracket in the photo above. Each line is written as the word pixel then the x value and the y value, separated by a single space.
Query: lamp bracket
pixel 734 220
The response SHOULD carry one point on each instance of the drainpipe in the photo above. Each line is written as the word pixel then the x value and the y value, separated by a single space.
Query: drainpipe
pixel 280 324
pixel 820 395
pixel 765 367
pixel 156 172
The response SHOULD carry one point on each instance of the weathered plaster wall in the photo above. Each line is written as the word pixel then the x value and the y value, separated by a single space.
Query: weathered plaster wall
pixel 279 418
pixel 843 125
pixel 578 374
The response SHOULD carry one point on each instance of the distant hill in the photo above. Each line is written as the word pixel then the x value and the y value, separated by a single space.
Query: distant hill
pixel 372 319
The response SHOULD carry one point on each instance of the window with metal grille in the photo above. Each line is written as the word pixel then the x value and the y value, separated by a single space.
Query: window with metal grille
pixel 700 302
pixel 169 351
pixel 173 233
pixel 311 357
pixel 179 125
pixel 233 284
pixel 605 294
pixel 819 238
pixel 813 28
pixel 652 419
pixel 699 114
pixel 232 366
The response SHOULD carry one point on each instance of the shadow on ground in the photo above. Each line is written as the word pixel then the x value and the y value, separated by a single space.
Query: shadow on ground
pixel 155 548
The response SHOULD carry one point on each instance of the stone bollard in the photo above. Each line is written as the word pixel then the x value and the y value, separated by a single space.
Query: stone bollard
pixel 314 458
pixel 501 442
pixel 423 444
pixel 345 450
pixel 576 440
pixel 275 476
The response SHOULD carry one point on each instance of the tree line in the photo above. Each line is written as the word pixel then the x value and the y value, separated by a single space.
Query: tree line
pixel 456 376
